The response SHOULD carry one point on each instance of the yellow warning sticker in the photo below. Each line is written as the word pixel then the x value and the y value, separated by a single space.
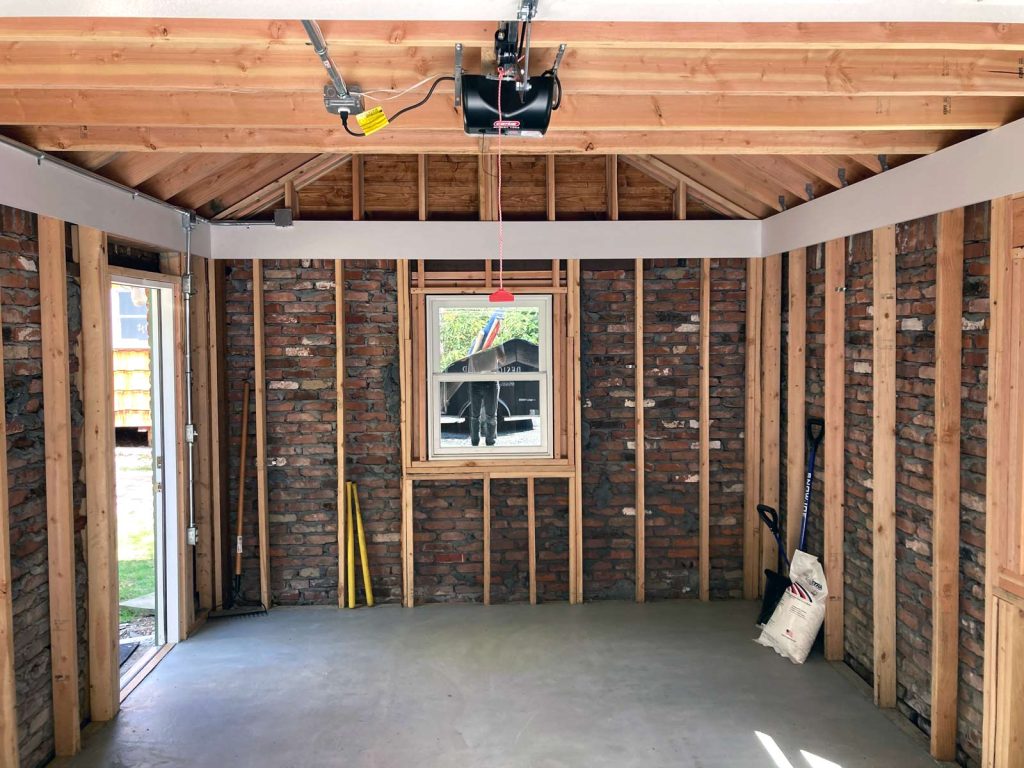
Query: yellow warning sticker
pixel 372 120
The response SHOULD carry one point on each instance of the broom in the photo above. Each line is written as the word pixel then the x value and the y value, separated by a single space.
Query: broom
pixel 239 607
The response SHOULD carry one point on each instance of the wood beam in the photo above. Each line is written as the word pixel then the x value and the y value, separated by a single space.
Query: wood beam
pixel 830 168
pixel 835 431
pixel 673 171
pixel 260 372
pixel 202 395
pixel 486 515
pixel 271 193
pixel 587 112
pixel 316 140
pixel 741 176
pixel 752 433
pixel 131 169
pixel 218 425
pixel 949 275
pixel 704 429
pixel 60 511
pixel 339 373
pixel 712 189
pixel 573 322
pixel 184 172
pixel 405 379
pixel 639 436
pixel 771 400
pixel 358 202
pixel 883 465
pixel 8 697
pixel 1000 411
pixel 229 188
pixel 791 177
pixel 796 396
pixel 612 185
pixel 260 67
pixel 531 532
pixel 101 500
pixel 422 34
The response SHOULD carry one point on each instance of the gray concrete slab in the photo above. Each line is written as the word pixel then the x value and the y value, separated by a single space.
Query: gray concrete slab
pixel 677 684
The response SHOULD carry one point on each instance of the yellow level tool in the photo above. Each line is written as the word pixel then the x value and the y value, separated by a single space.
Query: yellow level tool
pixel 352 497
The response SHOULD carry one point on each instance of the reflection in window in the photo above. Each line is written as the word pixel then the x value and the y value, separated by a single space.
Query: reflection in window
pixel 491 374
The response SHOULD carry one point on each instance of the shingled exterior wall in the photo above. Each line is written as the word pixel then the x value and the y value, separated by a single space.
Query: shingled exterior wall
pixel 915 270
pixel 19 283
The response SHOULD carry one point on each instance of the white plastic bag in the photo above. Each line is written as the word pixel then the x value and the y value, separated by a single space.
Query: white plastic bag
pixel 794 625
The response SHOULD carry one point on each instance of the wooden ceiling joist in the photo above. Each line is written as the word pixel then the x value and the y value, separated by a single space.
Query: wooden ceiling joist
pixel 577 112
pixel 317 140
pixel 165 68
pixel 476 34
pixel 266 196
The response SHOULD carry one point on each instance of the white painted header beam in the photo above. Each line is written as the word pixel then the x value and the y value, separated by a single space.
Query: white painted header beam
pixel 467 240
pixel 743 11
pixel 983 168
pixel 34 182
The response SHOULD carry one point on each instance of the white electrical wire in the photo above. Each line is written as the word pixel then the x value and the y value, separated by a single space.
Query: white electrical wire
pixel 397 93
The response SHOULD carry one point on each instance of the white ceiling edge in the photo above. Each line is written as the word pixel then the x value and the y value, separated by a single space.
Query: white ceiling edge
pixel 30 180
pixel 985 167
pixel 995 11
pixel 468 240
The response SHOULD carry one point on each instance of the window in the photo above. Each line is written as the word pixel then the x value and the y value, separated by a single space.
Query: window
pixel 489 377
pixel 130 320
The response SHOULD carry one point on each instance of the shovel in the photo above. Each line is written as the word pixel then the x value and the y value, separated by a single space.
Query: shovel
pixel 776 582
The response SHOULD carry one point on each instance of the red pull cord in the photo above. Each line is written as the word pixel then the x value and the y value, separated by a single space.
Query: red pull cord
pixel 501 224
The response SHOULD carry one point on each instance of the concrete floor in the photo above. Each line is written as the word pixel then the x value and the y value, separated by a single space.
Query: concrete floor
pixel 677 684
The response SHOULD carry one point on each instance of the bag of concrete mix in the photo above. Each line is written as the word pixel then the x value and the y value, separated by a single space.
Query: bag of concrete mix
pixel 794 625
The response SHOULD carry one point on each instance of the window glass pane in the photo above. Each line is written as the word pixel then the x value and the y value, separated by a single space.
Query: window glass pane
pixel 486 340
pixel 478 414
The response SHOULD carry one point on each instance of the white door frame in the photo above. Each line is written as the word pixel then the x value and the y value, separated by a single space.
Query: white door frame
pixel 170 580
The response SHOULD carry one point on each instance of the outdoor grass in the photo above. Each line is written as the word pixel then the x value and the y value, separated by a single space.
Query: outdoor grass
pixel 135 579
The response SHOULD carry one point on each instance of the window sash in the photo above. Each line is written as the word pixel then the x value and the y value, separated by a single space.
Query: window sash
pixel 543 376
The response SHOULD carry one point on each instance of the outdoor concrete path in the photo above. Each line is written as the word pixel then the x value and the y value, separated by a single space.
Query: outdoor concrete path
pixel 672 684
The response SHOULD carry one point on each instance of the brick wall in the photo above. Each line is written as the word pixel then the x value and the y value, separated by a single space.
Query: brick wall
pixel 301 422
pixel 448 537
pixel 19 282
pixel 915 411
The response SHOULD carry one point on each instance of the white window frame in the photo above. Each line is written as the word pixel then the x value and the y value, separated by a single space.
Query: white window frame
pixel 119 341
pixel 544 375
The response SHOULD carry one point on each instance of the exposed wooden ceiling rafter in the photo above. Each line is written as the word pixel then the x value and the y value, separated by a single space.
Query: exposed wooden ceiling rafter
pixel 263 198
pixel 670 176
pixel 317 140
pixel 420 34
pixel 274 68
pixel 188 109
